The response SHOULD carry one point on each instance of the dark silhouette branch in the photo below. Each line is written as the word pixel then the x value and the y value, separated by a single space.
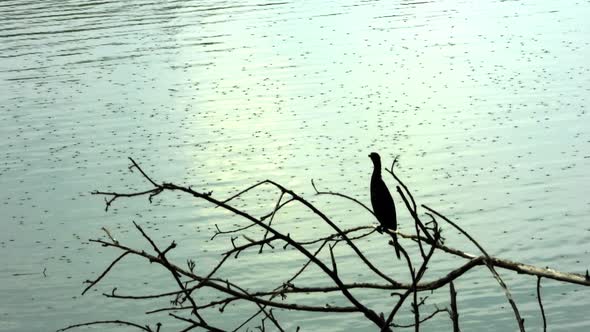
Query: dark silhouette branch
pixel 454 313
pixel 434 313
pixel 164 262
pixel 107 322
pixel 371 315
pixel 490 266
pixel 104 273
pixel 195 324
pixel 416 277
pixel 541 303
pixel 411 208
pixel 271 298
pixel 341 195
pixel 337 229
pixel 575 278
pixel 272 216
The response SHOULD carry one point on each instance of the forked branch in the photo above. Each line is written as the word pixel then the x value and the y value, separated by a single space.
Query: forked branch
pixel 190 281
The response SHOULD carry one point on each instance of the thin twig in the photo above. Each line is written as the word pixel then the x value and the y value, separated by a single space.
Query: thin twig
pixel 434 313
pixel 341 195
pixel 416 277
pixel 336 228
pixel 106 322
pixel 164 262
pixel 490 266
pixel 231 231
pixel 411 208
pixel 222 286
pixel 135 165
pixel 541 303
pixel 454 313
pixel 298 273
pixel 247 320
pixel 104 273
pixel 194 323
pixel 272 216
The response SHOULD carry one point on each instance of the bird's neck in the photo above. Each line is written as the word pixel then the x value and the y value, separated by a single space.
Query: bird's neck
pixel 377 170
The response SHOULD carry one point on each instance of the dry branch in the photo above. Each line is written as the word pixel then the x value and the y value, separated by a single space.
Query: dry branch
pixel 427 235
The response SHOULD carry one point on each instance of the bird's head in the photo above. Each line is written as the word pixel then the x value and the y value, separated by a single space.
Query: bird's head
pixel 375 158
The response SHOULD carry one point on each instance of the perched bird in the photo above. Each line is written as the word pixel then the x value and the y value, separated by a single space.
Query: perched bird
pixel 383 205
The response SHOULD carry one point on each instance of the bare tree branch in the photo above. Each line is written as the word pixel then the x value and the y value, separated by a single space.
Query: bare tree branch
pixel 454 313
pixel 107 322
pixel 434 313
pixel 490 266
pixel 104 273
pixel 222 291
pixel 541 303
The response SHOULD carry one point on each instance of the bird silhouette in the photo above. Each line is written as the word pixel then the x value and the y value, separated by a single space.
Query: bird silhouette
pixel 383 205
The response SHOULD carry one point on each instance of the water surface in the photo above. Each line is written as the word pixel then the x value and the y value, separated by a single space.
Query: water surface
pixel 486 104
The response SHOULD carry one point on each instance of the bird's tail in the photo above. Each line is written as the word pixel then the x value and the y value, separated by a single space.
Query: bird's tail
pixel 396 245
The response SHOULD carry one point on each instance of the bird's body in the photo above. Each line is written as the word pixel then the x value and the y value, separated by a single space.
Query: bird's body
pixel 382 202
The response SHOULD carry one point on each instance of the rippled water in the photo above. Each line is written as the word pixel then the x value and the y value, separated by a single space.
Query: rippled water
pixel 486 103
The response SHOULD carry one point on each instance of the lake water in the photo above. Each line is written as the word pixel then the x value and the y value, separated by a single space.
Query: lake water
pixel 485 102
